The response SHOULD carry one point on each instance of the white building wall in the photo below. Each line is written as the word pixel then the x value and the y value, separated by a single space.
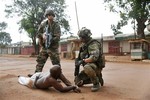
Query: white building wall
pixel 105 47
pixel 125 46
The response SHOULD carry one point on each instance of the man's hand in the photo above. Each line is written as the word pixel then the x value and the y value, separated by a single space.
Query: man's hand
pixel 44 37
pixel 40 41
pixel 77 90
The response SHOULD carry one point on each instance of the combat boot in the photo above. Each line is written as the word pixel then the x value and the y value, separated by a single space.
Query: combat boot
pixel 101 81
pixel 99 75
pixel 96 85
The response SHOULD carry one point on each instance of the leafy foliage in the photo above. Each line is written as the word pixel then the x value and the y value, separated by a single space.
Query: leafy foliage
pixel 32 13
pixel 3 26
pixel 138 10
pixel 5 39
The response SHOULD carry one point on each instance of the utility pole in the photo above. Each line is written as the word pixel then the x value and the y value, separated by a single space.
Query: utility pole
pixel 134 30
pixel 20 44
pixel 77 16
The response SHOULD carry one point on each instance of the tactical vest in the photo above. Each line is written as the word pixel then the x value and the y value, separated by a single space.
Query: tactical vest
pixel 84 49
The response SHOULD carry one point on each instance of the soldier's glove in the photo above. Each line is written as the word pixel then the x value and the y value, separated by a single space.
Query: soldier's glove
pixel 79 62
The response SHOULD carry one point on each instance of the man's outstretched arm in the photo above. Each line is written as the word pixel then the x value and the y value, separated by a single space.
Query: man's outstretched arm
pixel 65 80
pixel 60 88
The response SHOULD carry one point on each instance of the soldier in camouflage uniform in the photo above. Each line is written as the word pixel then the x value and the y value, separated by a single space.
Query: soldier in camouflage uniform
pixel 92 59
pixel 52 50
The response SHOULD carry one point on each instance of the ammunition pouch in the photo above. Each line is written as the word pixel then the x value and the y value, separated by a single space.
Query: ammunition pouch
pixel 101 62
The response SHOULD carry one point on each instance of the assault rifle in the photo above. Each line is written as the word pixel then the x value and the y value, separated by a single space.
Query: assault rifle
pixel 48 36
pixel 77 67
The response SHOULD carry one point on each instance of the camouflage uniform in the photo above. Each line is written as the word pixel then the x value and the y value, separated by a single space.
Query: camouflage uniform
pixel 91 72
pixel 52 51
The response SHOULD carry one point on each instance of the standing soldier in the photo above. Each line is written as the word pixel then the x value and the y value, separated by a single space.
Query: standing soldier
pixel 92 59
pixel 49 36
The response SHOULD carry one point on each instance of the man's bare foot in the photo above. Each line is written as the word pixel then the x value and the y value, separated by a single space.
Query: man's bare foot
pixel 30 75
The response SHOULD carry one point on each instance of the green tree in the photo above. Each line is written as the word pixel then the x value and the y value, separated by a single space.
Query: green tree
pixel 5 37
pixel 32 13
pixel 138 10
pixel 3 26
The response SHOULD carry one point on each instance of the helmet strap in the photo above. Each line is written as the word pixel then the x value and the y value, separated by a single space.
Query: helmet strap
pixel 87 39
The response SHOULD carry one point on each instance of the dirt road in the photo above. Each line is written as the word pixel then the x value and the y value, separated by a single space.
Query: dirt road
pixel 123 81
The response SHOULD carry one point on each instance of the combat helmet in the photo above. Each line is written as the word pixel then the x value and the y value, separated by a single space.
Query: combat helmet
pixel 84 33
pixel 49 12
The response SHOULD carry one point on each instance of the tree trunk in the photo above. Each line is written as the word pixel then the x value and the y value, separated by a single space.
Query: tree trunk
pixel 36 47
pixel 140 27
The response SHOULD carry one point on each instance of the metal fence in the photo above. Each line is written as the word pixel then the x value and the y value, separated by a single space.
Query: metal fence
pixel 10 50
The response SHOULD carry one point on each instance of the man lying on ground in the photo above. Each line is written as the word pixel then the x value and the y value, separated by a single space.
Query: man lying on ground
pixel 42 80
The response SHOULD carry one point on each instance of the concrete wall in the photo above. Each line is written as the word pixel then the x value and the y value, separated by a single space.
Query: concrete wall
pixel 105 47
pixel 125 46
pixel 10 50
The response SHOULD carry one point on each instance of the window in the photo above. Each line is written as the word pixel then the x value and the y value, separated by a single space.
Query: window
pixel 63 47
pixel 136 45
